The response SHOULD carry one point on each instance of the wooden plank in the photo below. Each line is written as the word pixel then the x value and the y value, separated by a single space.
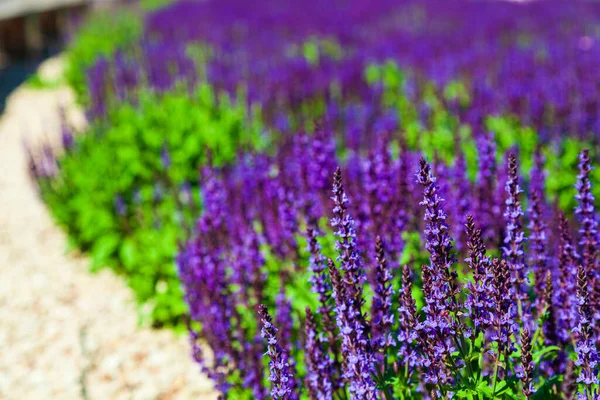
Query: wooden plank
pixel 16 8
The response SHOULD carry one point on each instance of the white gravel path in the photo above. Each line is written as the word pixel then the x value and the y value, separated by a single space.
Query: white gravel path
pixel 65 333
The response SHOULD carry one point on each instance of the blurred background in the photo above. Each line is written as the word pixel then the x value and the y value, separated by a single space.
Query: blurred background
pixel 33 30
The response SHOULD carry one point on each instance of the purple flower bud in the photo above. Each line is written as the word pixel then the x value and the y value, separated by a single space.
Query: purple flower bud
pixel 588 234
pixel 317 264
pixel 318 363
pixel 480 301
pixel 526 374
pixel 504 323
pixel 281 380
pixel 407 324
pixel 348 255
pixel 585 210
pixel 514 236
pixel 486 181
pixel 358 365
pixel 381 316
pixel 186 193
pixel 120 207
pixel 165 158
pixel 68 141
pixel 587 353
pixel 537 245
pixel 438 242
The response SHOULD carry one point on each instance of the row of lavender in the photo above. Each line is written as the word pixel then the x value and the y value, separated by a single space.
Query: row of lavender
pixel 470 322
pixel 535 60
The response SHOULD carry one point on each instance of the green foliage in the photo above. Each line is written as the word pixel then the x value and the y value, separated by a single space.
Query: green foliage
pixel 314 47
pixel 93 42
pixel 152 5
pixel 561 163
pixel 36 81
pixel 440 135
pixel 122 158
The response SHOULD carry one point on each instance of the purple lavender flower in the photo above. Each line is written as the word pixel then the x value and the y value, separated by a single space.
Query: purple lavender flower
pixel 382 318
pixel 538 175
pixel 318 363
pixel 526 374
pixel 407 324
pixel 439 281
pixel 319 165
pixel 462 199
pixel 588 235
pixel 287 210
pixel 504 323
pixel 486 174
pixel 515 237
pixel 438 241
pixel 317 264
pixel 214 198
pixel 358 364
pixel 550 329
pixel 379 188
pixel 281 380
pixel 587 353
pixel 165 158
pixel 537 246
pixel 285 322
pixel 202 271
pixel 67 138
pixel 120 206
pixel 479 302
pixel 586 213
pixel 566 291
pixel 348 255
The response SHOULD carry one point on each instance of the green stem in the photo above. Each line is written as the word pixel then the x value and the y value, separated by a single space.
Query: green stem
pixel 388 395
pixel 495 380
pixel 465 358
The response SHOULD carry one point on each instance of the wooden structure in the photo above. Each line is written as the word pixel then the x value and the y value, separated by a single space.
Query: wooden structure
pixel 27 26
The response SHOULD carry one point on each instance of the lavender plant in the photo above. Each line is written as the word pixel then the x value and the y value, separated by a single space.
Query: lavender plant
pixel 480 323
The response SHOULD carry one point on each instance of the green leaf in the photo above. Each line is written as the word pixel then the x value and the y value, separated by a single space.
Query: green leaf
pixel 127 253
pixel 103 249
pixel 466 393
pixel 545 352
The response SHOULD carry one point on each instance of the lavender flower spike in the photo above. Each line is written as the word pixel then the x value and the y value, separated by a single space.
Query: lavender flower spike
pixel 479 302
pixel 538 240
pixel 586 213
pixel 514 236
pixel 356 347
pixel 526 375
pixel 165 158
pixel 587 353
pixel 317 264
pixel 504 323
pixel 318 364
pixel 407 322
pixel 438 241
pixel 588 236
pixel 439 282
pixel 382 319
pixel 280 377
pixel 346 247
